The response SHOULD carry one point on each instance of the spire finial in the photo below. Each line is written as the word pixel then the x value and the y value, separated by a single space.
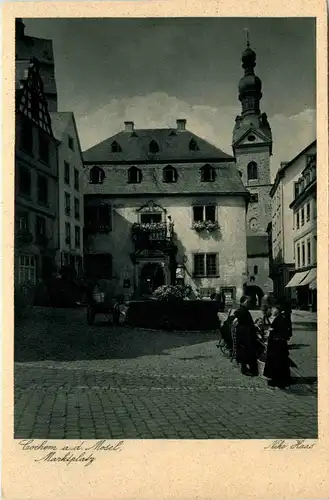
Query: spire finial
pixel 247 35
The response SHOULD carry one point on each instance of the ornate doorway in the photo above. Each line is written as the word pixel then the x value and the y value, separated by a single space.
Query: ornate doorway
pixel 151 277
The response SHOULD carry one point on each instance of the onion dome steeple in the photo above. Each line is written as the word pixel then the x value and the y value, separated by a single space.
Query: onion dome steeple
pixel 250 86
pixel 251 121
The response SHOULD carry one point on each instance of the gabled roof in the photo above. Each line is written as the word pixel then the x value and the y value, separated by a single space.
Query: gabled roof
pixel 29 47
pixel 173 146
pixel 28 84
pixel 60 121
pixel 284 166
pixel 304 151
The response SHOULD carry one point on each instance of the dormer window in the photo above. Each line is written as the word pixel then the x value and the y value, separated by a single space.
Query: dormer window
pixel 252 171
pixel 96 176
pixel 172 133
pixel 115 147
pixel 134 175
pixel 169 174
pixel 193 146
pixel 207 173
pixel 153 147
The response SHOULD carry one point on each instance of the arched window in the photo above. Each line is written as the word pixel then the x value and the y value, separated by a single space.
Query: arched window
pixel 115 147
pixel 253 223
pixel 252 171
pixel 96 175
pixel 193 146
pixel 207 173
pixel 134 175
pixel 153 147
pixel 169 174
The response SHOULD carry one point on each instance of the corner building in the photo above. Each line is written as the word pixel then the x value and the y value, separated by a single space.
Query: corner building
pixel 163 206
pixel 36 179
pixel 252 147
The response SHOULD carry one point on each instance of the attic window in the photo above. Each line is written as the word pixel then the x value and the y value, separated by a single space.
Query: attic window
pixel 207 173
pixel 96 175
pixel 172 133
pixel 193 146
pixel 153 147
pixel 134 175
pixel 169 174
pixel 115 147
pixel 251 138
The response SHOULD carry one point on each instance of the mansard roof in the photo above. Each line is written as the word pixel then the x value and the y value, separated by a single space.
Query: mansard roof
pixel 173 146
pixel 227 181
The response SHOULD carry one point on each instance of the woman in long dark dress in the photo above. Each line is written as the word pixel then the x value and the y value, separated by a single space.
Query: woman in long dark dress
pixel 246 338
pixel 277 365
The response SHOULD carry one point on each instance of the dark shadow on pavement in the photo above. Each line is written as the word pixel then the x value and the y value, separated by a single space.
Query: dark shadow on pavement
pixel 297 346
pixel 66 336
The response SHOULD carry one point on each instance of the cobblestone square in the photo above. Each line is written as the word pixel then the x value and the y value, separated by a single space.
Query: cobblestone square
pixel 75 381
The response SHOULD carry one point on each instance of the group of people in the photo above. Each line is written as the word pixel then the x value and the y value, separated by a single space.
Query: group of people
pixel 276 321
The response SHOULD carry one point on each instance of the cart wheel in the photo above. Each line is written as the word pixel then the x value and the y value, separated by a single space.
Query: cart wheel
pixel 90 316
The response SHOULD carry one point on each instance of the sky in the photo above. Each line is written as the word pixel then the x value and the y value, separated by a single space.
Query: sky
pixel 153 71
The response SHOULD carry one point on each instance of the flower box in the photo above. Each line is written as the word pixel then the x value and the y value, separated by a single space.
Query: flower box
pixel 205 226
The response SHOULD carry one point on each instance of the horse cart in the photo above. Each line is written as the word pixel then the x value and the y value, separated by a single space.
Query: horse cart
pixel 101 301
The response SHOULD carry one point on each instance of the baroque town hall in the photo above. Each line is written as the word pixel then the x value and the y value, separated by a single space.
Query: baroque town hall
pixel 164 206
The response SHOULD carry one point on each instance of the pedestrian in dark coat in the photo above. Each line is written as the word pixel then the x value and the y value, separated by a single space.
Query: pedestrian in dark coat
pixel 246 338
pixel 285 307
pixel 277 365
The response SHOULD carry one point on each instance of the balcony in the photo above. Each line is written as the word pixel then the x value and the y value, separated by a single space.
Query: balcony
pixel 152 235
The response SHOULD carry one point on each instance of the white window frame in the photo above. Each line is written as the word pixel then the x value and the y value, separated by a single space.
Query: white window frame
pixel 204 212
pixel 26 268
pixel 205 274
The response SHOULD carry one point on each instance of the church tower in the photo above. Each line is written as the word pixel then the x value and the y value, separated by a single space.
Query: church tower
pixel 252 148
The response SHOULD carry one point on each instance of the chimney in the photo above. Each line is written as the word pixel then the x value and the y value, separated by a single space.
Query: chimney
pixel 129 126
pixel 181 124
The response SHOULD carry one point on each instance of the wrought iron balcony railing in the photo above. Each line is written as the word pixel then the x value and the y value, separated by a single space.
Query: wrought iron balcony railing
pixel 147 235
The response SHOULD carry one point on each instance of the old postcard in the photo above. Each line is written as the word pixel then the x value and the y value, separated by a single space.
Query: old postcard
pixel 165 218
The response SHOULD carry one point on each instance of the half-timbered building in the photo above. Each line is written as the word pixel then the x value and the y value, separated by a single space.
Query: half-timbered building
pixel 36 179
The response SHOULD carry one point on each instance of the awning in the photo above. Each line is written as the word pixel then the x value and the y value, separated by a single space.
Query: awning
pixel 297 279
pixel 310 277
